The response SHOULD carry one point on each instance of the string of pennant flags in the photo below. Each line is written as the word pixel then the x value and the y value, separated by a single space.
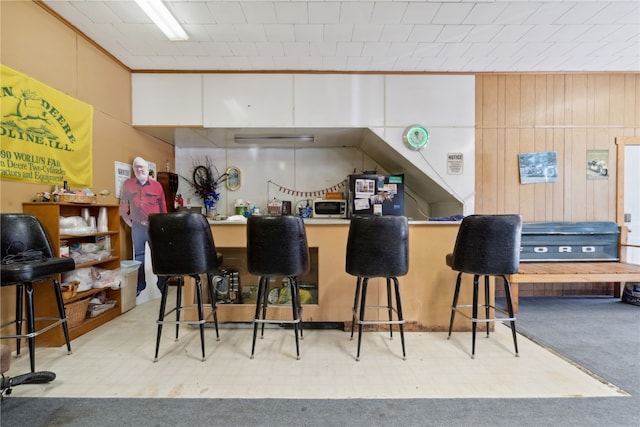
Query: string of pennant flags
pixel 316 193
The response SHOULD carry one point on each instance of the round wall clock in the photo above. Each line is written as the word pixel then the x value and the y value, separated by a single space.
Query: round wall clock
pixel 415 136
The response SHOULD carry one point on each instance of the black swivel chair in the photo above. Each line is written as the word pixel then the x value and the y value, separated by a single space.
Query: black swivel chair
pixel 378 246
pixel 27 258
pixel 182 245
pixel 487 245
pixel 277 246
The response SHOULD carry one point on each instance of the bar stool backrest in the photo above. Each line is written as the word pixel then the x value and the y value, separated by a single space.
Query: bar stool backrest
pixel 181 244
pixel 22 232
pixel 378 246
pixel 488 245
pixel 277 246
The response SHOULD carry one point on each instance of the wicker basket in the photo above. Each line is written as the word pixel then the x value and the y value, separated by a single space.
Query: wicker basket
pixel 76 312
pixel 77 198
pixel 70 290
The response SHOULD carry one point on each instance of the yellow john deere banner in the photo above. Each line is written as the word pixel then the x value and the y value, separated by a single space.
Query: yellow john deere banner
pixel 45 135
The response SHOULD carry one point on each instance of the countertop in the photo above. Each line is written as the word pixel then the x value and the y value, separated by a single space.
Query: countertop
pixel 324 221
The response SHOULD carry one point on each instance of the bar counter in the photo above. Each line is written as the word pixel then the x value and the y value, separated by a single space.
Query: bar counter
pixel 427 289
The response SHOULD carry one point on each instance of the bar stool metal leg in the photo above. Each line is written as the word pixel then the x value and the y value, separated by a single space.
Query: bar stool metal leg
pixel 363 304
pixel 400 316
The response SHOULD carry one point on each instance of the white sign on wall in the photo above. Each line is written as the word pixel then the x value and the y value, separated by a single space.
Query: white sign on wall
pixel 455 163
pixel 123 172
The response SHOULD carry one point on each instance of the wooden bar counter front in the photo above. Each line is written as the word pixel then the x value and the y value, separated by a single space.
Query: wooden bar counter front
pixel 427 289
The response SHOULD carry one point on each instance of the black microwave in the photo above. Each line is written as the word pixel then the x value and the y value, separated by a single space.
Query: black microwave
pixel 330 208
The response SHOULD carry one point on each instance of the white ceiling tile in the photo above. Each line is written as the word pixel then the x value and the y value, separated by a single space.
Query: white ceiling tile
pixel 388 12
pixel 263 62
pixel 425 33
pixel 625 32
pixel 280 32
pixel 338 32
pixel 219 49
pixel 454 33
pixel 324 13
pixel 99 13
pixel 534 49
pixel 349 48
pixel 558 50
pixel 517 13
pixel 322 49
pixel 401 49
pixel 624 12
pixel 367 32
pixel 243 49
pixel 259 12
pixel 480 49
pixel 358 62
pixel 549 13
pixel 291 12
pixel 508 50
pixel 196 32
pixel 309 32
pixel 581 13
pixel 250 33
pixel 356 12
pixel 454 49
pixel 237 63
pixel 192 48
pixel 296 49
pixel 540 33
pixel 226 12
pixel 222 32
pixel 395 33
pixel 375 49
pixel 191 12
pixel 569 33
pixel 483 33
pixel 510 33
pixel 335 63
pixel 546 35
pixel 596 33
pixel 269 49
pixel 484 13
pixel 382 63
pixel 428 49
pixel 310 62
pixel 420 13
pixel 452 13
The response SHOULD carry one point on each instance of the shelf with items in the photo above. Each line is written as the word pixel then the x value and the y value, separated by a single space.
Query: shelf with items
pixel 235 285
pixel 49 214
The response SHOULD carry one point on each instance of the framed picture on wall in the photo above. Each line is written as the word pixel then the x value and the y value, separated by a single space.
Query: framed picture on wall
pixel 233 178
pixel 597 164
pixel 538 167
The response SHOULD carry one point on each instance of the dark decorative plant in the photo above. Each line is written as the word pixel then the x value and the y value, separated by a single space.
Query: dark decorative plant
pixel 205 181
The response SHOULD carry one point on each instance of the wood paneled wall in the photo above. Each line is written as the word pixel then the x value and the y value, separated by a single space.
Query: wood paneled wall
pixel 565 113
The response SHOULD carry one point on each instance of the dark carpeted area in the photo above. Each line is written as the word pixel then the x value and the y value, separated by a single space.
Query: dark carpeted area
pixel 600 334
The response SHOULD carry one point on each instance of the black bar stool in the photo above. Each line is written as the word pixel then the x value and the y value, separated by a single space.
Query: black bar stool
pixel 277 246
pixel 182 245
pixel 27 258
pixel 378 246
pixel 486 245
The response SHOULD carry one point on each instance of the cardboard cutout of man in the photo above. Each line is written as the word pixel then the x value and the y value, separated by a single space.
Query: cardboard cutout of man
pixel 140 197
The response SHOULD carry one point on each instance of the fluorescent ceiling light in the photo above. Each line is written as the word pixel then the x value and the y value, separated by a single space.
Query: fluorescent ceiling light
pixel 248 139
pixel 160 15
